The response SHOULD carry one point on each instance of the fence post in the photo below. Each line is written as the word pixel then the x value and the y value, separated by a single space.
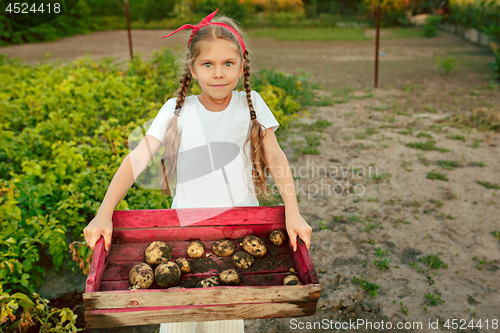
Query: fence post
pixel 127 14
pixel 376 45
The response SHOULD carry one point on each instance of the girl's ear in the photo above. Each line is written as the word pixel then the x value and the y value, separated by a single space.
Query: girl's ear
pixel 241 71
pixel 193 74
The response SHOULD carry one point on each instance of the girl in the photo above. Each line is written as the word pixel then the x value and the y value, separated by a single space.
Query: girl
pixel 220 146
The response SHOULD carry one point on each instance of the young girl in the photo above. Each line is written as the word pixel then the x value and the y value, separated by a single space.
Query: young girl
pixel 220 146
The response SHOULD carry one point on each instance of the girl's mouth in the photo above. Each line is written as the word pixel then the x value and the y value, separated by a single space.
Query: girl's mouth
pixel 219 86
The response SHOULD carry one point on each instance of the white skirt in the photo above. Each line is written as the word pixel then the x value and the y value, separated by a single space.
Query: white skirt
pixel 218 326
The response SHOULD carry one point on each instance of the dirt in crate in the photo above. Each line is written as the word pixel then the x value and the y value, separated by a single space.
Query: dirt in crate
pixel 274 262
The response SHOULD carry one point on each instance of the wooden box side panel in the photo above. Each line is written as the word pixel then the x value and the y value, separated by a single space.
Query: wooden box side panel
pixel 203 233
pixel 200 296
pixel 165 218
pixel 158 315
pixel 97 267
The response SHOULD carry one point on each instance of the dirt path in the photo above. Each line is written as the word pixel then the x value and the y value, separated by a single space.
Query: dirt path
pixel 333 64
pixel 402 214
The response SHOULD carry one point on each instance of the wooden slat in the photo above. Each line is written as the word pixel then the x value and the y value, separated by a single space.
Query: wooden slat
pixel 119 270
pixel 200 296
pixel 151 218
pixel 135 251
pixel 204 233
pixel 150 316
pixel 97 267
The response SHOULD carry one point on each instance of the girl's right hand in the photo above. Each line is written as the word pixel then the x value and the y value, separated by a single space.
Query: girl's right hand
pixel 101 225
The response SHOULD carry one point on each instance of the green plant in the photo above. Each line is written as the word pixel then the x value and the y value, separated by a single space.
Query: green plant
pixel 447 65
pixel 449 165
pixel 488 184
pixel 384 261
pixel 19 313
pixel 430 27
pixel 385 176
pixel 427 145
pixel 403 308
pixel 433 261
pixel 406 164
pixel 483 262
pixel 366 285
pixel 456 137
pixel 437 175
pixel 433 299
pixel 421 134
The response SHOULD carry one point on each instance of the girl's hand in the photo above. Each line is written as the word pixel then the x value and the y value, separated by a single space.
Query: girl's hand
pixel 101 225
pixel 297 226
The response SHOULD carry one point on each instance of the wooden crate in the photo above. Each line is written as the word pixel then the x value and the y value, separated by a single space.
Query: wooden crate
pixel 109 303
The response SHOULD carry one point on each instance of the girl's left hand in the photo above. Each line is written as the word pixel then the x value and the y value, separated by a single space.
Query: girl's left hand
pixel 297 226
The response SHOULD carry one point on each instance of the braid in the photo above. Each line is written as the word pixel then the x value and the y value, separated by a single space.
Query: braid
pixel 259 170
pixel 183 88
pixel 246 73
pixel 172 138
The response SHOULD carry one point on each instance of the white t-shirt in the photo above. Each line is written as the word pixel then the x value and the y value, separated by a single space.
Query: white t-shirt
pixel 212 168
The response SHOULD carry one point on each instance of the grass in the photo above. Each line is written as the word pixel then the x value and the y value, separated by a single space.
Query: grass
pixel 448 165
pixel 367 285
pixel 330 34
pixel 406 164
pixel 422 134
pixel 489 185
pixel 479 164
pixel 426 145
pixel 482 118
pixel 381 177
pixel 313 34
pixel 437 175
pixel 318 126
pixel 456 137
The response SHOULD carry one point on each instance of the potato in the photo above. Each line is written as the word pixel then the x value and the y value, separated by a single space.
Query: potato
pixel 254 245
pixel 291 280
pixel 196 249
pixel 242 259
pixel 212 281
pixel 230 277
pixel 157 252
pixel 184 265
pixel 223 248
pixel 277 237
pixel 141 275
pixel 167 274
pixel 135 287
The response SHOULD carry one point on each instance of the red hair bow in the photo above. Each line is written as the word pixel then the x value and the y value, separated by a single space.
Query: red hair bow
pixel 204 23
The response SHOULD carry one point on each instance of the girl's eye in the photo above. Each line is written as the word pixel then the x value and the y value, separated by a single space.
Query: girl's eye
pixel 229 64
pixel 207 65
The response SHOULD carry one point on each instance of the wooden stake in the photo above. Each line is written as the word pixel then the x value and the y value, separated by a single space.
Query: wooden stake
pixel 377 45
pixel 127 15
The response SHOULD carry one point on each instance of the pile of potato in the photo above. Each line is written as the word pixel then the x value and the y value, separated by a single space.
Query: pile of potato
pixel 168 274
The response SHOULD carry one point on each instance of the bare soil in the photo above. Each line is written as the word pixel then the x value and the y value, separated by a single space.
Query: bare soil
pixel 396 208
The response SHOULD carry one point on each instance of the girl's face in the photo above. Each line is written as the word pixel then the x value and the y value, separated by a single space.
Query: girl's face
pixel 217 69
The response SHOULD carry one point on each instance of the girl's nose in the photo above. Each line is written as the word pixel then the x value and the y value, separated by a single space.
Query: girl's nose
pixel 218 72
